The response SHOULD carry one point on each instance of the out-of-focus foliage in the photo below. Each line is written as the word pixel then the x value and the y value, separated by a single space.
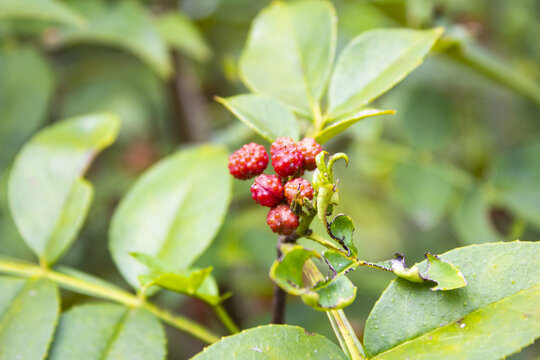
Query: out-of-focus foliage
pixel 457 164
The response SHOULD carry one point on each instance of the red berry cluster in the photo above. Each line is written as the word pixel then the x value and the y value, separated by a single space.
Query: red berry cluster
pixel 289 160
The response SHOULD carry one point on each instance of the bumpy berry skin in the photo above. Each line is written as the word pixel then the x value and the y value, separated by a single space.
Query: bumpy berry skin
pixel 280 144
pixel 309 149
pixel 282 220
pixel 267 190
pixel 299 186
pixel 288 162
pixel 248 161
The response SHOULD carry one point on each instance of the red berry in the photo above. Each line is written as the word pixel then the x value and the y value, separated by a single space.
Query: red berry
pixel 282 220
pixel 288 162
pixel 299 186
pixel 280 144
pixel 267 190
pixel 248 161
pixel 309 149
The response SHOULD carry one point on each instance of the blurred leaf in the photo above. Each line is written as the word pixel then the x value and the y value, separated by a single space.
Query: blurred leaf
pixel 29 310
pixel 342 228
pixel 117 83
pixel 423 193
pixel 179 33
pixel 335 292
pixel 274 342
pixel 336 127
pixel 125 25
pixel 505 274
pixel 48 10
pixel 266 116
pixel 46 186
pixel 25 89
pixel 290 51
pixel 106 331
pixel 516 175
pixel 197 283
pixel 428 119
pixel 71 219
pixel 471 219
pixel 374 62
pixel 491 67
pixel 172 212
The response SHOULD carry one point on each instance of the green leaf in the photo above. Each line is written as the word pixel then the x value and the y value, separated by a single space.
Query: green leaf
pixel 374 62
pixel 445 274
pixel 266 116
pixel 290 51
pixel 335 292
pixel 179 33
pixel 71 219
pixel 480 332
pixel 172 212
pixel 273 342
pixel 197 283
pixel 342 229
pixel 25 91
pixel 107 331
pixel 471 219
pixel 29 310
pixel 288 273
pixel 410 314
pixel 339 263
pixel 515 176
pixel 423 192
pixel 335 127
pixel 47 195
pixel 47 10
pixel 125 25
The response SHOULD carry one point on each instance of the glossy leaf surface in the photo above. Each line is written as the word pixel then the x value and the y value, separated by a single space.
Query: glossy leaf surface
pixel 497 273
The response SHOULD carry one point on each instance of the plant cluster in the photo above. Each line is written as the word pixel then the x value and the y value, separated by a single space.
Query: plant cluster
pixel 479 299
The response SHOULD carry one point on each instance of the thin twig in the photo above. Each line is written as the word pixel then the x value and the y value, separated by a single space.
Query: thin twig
pixel 279 298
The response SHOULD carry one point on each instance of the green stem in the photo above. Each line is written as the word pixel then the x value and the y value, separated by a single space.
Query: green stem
pixel 318 117
pixel 342 328
pixel 326 243
pixel 116 295
pixel 497 71
pixel 226 319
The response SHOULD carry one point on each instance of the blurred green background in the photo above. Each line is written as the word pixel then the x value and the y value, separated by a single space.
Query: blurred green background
pixel 458 164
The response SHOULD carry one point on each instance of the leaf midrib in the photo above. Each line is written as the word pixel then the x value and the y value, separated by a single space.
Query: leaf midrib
pixel 117 331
